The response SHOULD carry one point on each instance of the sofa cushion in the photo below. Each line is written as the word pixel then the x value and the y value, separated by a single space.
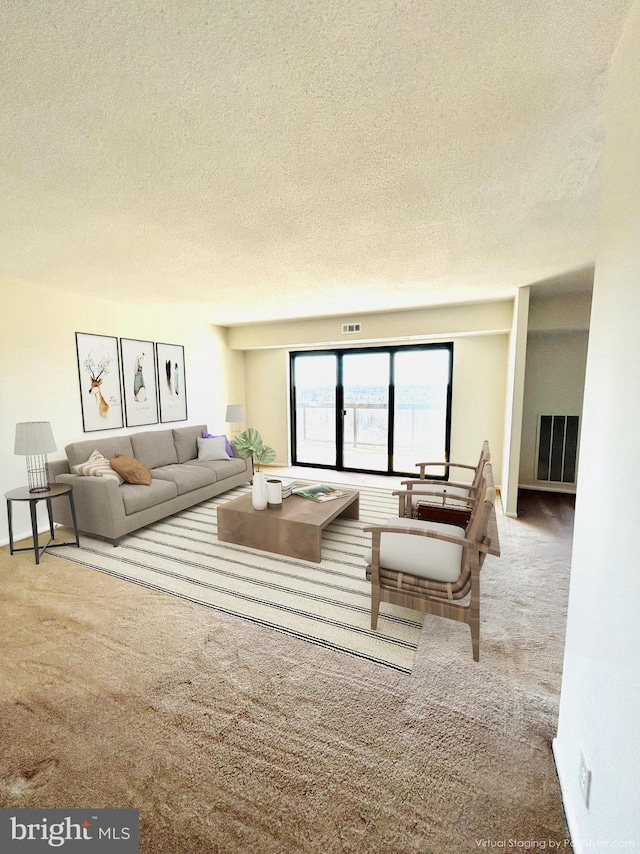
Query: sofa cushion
pixel 154 448
pixel 186 478
pixel 97 466
pixel 222 468
pixel 421 556
pixel 212 448
pixel 78 452
pixel 131 469
pixel 136 497
pixel 184 439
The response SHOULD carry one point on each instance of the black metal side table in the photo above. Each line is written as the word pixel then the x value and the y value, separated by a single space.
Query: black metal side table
pixel 57 490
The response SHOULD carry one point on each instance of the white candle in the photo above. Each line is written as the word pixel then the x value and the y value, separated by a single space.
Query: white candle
pixel 274 493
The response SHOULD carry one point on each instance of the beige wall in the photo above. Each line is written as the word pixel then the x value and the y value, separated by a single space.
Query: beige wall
pixel 479 381
pixel 40 373
pixel 554 385
pixel 479 390
pixel 601 676
pixel 419 323
pixel 561 312
pixel 267 396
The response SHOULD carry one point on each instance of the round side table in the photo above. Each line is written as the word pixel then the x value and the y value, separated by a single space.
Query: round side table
pixel 56 490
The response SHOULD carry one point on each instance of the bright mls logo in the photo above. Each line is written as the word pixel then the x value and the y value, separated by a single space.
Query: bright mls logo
pixel 109 830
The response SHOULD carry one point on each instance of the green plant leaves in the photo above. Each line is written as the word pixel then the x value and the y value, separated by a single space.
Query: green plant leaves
pixel 250 444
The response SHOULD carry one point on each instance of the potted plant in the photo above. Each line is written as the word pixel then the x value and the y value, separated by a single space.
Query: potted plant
pixel 250 444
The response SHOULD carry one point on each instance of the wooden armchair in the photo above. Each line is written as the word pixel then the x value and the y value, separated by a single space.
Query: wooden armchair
pixel 429 566
pixel 443 501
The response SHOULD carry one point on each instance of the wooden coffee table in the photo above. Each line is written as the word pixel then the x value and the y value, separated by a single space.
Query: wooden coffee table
pixel 295 529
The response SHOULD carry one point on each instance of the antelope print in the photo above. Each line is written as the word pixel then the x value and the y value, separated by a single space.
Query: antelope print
pixel 96 377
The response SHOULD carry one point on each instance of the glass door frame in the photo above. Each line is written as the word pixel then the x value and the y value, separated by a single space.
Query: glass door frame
pixel 339 404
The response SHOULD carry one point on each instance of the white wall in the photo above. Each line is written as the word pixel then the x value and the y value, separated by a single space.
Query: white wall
pixel 600 697
pixel 554 385
pixel 514 403
pixel 39 368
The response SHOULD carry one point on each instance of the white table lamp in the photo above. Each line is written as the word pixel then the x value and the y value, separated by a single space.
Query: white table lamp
pixel 34 440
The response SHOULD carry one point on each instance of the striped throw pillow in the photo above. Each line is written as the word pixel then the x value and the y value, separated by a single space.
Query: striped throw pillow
pixel 97 466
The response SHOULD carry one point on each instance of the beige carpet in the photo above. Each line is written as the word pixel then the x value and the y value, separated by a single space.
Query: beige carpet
pixel 231 737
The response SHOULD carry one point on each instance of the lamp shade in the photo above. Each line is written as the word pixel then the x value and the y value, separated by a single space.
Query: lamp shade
pixel 34 437
pixel 235 414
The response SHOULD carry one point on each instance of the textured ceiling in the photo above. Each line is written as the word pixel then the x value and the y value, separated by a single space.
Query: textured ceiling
pixel 282 158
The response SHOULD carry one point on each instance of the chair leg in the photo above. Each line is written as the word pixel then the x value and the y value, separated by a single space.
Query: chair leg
pixel 474 614
pixel 475 642
pixel 375 605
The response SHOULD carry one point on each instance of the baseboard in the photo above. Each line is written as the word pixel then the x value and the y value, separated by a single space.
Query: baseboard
pixel 569 814
pixel 26 534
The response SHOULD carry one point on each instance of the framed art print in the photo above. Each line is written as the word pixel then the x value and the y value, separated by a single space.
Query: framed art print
pixel 172 391
pixel 99 375
pixel 139 381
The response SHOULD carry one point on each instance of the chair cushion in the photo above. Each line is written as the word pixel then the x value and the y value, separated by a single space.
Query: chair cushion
pixel 421 556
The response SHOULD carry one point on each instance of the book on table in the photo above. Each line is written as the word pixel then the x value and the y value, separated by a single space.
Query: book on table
pixel 288 486
pixel 319 492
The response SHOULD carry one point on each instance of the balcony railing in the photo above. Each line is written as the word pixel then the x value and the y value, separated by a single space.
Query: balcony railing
pixel 418 434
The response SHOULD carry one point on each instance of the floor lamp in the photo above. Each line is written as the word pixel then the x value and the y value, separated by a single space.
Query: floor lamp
pixel 235 416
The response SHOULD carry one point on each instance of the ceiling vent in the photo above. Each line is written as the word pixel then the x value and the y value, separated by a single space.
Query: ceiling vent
pixel 350 328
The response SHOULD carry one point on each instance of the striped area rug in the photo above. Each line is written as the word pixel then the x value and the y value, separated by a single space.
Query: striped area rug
pixel 326 604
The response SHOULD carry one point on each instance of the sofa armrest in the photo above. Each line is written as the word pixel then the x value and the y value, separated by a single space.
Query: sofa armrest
pixel 98 503
pixel 57 467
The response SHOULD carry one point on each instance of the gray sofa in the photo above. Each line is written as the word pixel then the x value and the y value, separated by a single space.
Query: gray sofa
pixel 179 480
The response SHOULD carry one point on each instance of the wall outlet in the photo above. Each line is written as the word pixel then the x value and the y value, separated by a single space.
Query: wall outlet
pixel 585 779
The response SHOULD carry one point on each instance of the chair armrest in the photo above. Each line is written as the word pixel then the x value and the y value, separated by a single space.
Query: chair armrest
pixel 443 484
pixel 377 530
pixel 444 465
pixel 446 496
pixel 440 493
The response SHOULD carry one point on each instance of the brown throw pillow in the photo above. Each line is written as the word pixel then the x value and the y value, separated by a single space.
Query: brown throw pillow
pixel 131 469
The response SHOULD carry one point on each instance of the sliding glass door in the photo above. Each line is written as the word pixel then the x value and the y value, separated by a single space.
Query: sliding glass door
pixel 373 410
pixel 314 381
pixel 365 410
pixel 422 380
